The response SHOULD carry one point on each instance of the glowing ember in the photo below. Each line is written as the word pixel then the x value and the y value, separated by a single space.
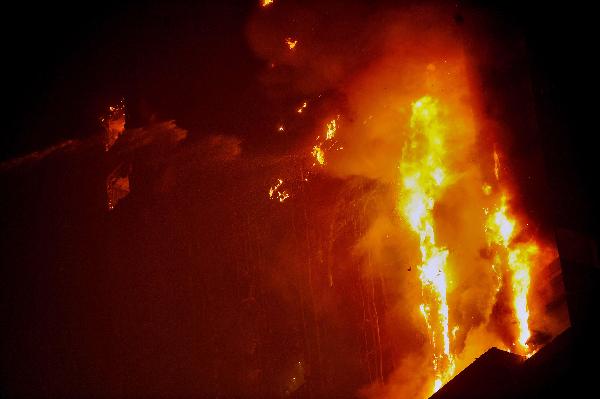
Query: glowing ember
pixel 291 43
pixel 275 193
pixel 266 3
pixel 114 124
pixel 422 178
pixel 302 107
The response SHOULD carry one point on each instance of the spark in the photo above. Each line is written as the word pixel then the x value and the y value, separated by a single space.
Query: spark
pixel 291 43
pixel 302 107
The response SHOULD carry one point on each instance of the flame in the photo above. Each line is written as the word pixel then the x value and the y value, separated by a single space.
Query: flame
pixel 319 154
pixel 318 151
pixel 266 3
pixel 518 260
pixel 114 124
pixel 331 129
pixel 291 43
pixel 423 176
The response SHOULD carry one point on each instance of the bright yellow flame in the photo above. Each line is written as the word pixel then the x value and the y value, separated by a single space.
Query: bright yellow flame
pixel 266 3
pixel 319 154
pixel 331 129
pixel 501 226
pixel 423 176
pixel 291 43
pixel 501 229
pixel 520 259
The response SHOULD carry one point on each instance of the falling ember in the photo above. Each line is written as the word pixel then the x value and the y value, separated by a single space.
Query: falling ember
pixel 496 165
pixel 266 3
pixel 281 128
pixel 291 43
pixel 114 124
pixel 422 178
pixel 302 107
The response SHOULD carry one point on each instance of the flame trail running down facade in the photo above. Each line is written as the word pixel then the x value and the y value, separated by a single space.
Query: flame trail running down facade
pixel 422 175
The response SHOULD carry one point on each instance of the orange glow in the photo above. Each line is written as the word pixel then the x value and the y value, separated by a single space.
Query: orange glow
pixel 266 3
pixel 114 124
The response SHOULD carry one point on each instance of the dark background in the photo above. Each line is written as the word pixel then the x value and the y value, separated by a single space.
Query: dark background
pixel 76 329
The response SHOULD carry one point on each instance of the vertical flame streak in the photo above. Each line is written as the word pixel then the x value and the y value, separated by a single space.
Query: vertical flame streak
pixel 518 258
pixel 423 174
pixel 519 261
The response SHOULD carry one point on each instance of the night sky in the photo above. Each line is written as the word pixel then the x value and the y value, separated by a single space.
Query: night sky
pixel 105 304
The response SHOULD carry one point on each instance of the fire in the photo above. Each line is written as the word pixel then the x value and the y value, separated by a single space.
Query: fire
pixel 114 124
pixel 422 181
pixel 291 43
pixel 266 3
pixel 318 151
pixel 275 193
pixel 520 260
pixel 331 129
pixel 319 155
pixel 517 258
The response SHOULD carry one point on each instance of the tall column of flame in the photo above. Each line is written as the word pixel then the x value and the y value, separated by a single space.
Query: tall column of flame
pixel 422 180
pixel 518 258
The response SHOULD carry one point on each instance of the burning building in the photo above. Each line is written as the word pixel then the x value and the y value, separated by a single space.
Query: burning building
pixel 298 199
